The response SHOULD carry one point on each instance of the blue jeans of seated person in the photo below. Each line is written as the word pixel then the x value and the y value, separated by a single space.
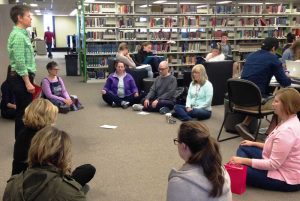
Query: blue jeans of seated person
pixel 109 98
pixel 183 115
pixel 258 178
pixel 161 103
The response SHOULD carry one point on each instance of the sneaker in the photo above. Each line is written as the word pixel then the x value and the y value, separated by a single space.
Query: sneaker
pixel 113 104
pixel 244 132
pixel 137 107
pixel 164 110
pixel 125 104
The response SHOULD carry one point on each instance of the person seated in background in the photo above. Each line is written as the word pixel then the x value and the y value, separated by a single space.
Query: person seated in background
pixel 39 114
pixel 199 97
pixel 161 97
pixel 54 89
pixel 275 164
pixel 145 56
pixel 202 176
pixel 215 54
pixel 259 68
pixel 8 101
pixel 290 38
pixel 49 175
pixel 226 47
pixel 120 88
pixel 292 53
pixel 124 57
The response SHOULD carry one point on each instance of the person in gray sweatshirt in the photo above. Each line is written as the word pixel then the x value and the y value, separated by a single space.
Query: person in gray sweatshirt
pixel 161 97
pixel 202 177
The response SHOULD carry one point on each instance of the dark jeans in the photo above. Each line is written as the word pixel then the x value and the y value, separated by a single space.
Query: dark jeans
pixel 258 178
pixel 109 98
pixel 23 98
pixel 84 173
pixel 49 49
pixel 161 103
pixel 183 115
pixel 8 113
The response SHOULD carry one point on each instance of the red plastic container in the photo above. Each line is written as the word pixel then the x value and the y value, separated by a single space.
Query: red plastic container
pixel 238 175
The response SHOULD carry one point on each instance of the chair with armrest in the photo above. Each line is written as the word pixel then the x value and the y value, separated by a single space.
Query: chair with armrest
pixel 243 94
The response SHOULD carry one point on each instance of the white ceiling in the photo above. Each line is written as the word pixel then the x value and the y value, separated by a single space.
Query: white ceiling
pixel 54 7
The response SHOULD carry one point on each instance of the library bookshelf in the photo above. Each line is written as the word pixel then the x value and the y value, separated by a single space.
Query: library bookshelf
pixel 179 30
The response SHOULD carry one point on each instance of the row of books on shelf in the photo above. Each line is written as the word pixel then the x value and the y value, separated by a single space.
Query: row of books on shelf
pixel 95 48
pixel 280 33
pixel 100 35
pixel 96 61
pixel 100 22
pixel 99 8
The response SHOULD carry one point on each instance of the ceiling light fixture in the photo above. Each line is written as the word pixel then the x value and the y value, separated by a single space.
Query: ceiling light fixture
pixel 224 2
pixel 33 5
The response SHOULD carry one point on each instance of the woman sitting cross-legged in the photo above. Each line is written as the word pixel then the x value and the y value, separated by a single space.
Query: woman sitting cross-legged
pixel 202 177
pixel 120 88
pixel 49 175
pixel 54 90
pixel 199 97
pixel 275 164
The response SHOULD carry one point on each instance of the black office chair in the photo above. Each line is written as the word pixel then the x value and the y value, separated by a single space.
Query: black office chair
pixel 243 94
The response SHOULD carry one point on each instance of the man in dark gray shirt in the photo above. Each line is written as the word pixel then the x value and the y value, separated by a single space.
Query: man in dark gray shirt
pixel 161 97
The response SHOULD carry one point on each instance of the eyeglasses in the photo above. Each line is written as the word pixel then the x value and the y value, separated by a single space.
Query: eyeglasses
pixel 176 141
pixel 55 69
pixel 162 69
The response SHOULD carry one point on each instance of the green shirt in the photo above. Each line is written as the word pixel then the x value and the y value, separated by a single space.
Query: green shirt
pixel 21 52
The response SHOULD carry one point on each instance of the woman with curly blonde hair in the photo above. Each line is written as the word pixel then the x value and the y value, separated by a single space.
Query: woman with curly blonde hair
pixel 49 173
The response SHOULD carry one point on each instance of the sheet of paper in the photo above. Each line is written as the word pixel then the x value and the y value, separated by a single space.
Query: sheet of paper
pixel 143 113
pixel 108 126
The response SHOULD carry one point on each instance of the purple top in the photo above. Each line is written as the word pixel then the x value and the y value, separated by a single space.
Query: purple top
pixel 112 81
pixel 47 90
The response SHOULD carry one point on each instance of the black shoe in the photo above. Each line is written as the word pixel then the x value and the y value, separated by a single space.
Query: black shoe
pixel 164 110
pixel 244 132
pixel 125 104
pixel 113 104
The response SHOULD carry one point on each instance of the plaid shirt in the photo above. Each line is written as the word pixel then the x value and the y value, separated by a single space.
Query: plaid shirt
pixel 21 52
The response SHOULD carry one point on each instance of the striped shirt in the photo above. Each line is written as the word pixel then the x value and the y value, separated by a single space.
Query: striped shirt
pixel 21 52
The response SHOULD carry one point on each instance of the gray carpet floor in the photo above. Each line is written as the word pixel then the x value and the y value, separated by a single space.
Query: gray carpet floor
pixel 133 161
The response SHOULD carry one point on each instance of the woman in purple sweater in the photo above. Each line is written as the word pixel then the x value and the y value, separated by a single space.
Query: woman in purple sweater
pixel 54 90
pixel 120 88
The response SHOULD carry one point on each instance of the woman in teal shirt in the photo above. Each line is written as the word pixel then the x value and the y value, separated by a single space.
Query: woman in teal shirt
pixel 198 101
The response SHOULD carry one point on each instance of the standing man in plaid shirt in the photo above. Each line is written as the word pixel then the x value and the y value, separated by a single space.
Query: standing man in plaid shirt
pixel 22 62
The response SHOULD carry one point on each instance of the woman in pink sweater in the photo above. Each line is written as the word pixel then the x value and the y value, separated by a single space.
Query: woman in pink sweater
pixel 275 164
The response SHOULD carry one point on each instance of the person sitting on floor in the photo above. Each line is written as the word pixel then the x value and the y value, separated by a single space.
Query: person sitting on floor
pixel 124 57
pixel 49 175
pixel 39 114
pixel 216 53
pixel 275 164
pixel 199 97
pixel 54 90
pixel 8 101
pixel 161 96
pixel 202 177
pixel 259 68
pixel 120 88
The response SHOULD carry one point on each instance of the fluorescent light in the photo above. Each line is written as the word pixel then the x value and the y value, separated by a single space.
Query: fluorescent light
pixel 202 6
pixel 143 6
pixel 224 2
pixel 189 3
pixel 73 13
pixel 255 3
pixel 158 2
pixel 89 1
pixel 37 11
pixel 170 3
pixel 33 5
